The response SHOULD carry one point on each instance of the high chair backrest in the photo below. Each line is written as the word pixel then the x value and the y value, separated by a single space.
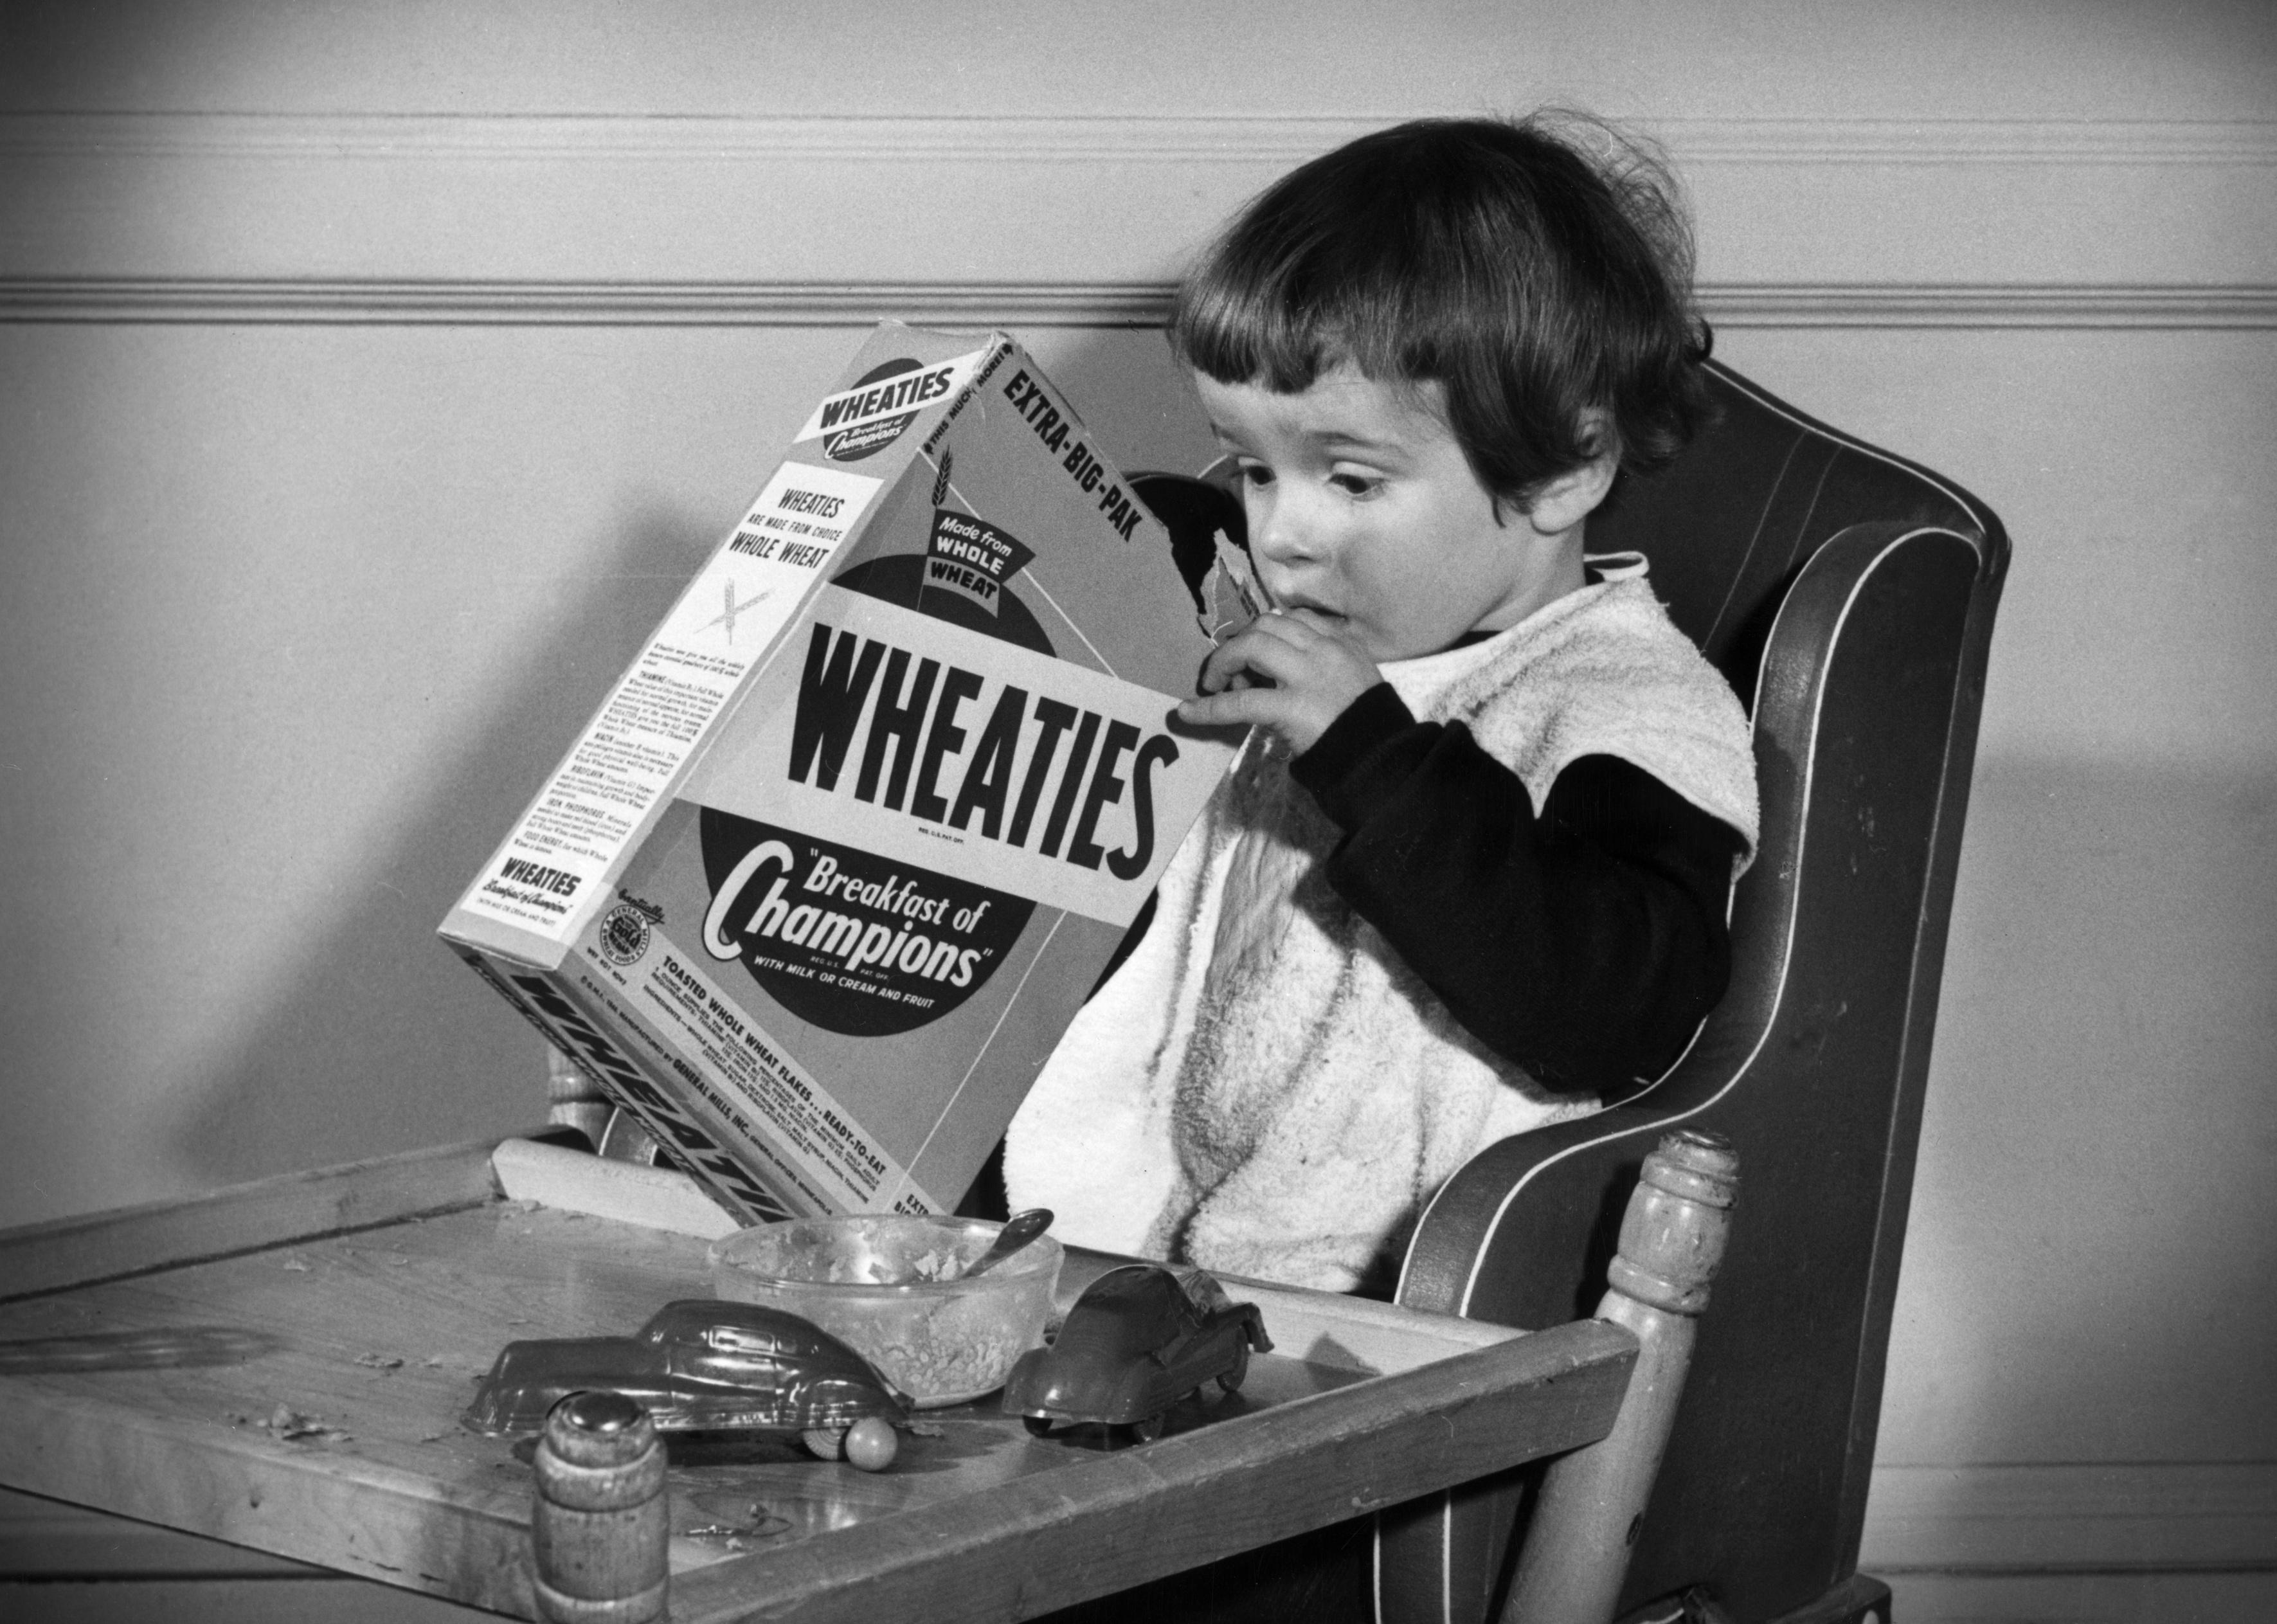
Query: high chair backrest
pixel 1849 596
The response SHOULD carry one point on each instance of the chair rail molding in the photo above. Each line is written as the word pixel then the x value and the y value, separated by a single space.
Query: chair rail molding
pixel 1236 139
pixel 1076 220
pixel 375 302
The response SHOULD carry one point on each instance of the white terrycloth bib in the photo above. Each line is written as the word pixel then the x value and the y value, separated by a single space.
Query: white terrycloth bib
pixel 1264 1087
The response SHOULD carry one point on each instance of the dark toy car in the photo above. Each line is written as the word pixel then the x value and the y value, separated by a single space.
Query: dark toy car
pixel 699 1365
pixel 1135 1343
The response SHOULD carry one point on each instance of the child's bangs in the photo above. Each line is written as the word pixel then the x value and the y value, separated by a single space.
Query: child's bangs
pixel 1276 329
pixel 1249 333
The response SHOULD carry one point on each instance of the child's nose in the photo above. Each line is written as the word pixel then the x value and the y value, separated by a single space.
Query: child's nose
pixel 1283 530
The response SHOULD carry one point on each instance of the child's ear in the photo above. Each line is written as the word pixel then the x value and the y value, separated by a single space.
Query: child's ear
pixel 1564 501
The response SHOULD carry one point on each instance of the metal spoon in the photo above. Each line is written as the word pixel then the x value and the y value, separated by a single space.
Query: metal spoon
pixel 1022 1228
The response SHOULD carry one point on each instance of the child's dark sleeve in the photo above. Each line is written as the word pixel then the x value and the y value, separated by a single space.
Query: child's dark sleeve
pixel 1584 944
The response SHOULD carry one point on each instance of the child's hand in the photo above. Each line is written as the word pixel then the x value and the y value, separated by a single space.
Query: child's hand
pixel 1314 674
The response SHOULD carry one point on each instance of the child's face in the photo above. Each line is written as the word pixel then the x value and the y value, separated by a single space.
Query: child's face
pixel 1364 511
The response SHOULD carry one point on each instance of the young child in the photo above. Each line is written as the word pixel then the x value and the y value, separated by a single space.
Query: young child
pixel 1473 868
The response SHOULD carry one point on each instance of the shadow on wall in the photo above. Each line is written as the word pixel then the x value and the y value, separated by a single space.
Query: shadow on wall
pixel 384 1040
pixel 2098 1161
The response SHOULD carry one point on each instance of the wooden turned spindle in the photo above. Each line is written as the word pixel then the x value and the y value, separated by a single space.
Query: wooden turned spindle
pixel 1593 1500
pixel 574 1100
pixel 599 1525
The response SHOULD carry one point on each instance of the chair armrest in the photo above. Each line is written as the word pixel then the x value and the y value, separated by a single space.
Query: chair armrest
pixel 1813 1064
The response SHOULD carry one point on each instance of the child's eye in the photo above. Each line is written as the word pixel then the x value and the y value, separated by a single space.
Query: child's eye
pixel 1255 474
pixel 1356 484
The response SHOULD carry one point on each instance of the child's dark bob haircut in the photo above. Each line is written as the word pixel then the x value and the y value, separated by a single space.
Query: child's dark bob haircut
pixel 1540 271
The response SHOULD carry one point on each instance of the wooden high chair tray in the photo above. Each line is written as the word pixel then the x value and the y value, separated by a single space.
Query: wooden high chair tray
pixel 298 1352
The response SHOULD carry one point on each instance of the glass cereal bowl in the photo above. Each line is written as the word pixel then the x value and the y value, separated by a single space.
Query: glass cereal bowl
pixel 891 1286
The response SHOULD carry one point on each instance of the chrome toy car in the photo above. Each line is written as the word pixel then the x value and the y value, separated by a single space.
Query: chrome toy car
pixel 1135 1343
pixel 700 1365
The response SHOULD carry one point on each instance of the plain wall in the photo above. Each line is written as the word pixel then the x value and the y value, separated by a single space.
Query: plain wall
pixel 310 573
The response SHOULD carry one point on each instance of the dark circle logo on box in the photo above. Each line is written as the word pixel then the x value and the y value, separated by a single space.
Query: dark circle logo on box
pixel 624 934
pixel 874 390
pixel 852 941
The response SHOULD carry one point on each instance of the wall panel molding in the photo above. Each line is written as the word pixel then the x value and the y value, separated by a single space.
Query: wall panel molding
pixel 2079 1517
pixel 367 301
pixel 621 214
pixel 1240 140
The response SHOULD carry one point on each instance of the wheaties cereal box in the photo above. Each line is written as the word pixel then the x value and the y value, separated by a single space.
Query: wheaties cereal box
pixel 827 875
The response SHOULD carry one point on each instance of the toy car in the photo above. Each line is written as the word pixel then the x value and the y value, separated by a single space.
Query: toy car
pixel 702 1365
pixel 1135 1343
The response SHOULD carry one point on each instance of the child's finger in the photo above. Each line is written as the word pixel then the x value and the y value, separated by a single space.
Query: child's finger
pixel 1288 626
pixel 1227 663
pixel 1270 646
pixel 1236 707
pixel 1246 666
pixel 1299 625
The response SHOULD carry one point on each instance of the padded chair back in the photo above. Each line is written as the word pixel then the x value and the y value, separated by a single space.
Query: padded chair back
pixel 1851 595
